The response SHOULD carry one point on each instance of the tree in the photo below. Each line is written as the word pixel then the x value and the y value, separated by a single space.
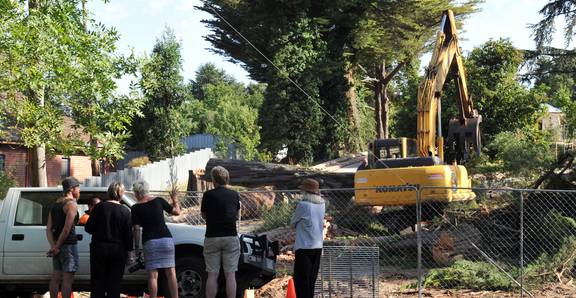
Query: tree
pixel 504 103
pixel 405 28
pixel 227 109
pixel 347 34
pixel 41 82
pixel 544 30
pixel 163 125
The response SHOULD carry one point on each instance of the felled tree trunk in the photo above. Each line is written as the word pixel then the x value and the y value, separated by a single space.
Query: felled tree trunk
pixel 284 177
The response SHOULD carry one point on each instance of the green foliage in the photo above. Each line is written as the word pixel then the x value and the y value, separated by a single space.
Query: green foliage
pixel 557 244
pixel 504 103
pixel 465 274
pixel 51 67
pixel 227 109
pixel 544 30
pixel 523 152
pixel 288 117
pixel 164 122
pixel 325 48
pixel 5 183
pixel 277 216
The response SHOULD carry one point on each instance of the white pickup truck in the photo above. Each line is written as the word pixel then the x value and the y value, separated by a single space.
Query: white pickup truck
pixel 26 269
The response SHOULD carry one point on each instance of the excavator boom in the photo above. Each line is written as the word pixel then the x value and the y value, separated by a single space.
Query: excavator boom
pixel 397 167
pixel 446 58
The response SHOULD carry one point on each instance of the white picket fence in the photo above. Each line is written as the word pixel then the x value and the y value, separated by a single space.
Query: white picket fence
pixel 157 174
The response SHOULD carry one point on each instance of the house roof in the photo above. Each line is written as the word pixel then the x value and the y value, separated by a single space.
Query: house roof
pixel 12 136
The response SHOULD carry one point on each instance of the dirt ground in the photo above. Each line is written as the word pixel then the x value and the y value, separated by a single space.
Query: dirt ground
pixel 394 283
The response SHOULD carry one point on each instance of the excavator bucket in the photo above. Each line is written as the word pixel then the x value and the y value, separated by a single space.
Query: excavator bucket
pixel 463 138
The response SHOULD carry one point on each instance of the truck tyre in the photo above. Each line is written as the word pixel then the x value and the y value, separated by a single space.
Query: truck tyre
pixel 191 277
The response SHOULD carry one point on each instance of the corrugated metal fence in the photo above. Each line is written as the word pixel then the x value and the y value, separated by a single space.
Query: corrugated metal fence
pixel 157 174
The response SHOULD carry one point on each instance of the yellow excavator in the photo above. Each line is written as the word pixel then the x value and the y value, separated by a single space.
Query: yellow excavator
pixel 397 166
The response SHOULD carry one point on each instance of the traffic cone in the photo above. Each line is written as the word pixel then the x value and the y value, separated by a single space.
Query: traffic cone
pixel 291 291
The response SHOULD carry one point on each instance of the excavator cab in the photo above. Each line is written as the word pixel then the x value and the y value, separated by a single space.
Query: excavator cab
pixel 395 171
pixel 384 149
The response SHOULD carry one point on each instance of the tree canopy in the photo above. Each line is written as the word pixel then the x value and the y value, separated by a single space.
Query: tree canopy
pixel 315 56
pixel 163 125
pixel 41 83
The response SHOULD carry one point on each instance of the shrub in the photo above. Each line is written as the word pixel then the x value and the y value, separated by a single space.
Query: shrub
pixel 469 275
pixel 138 162
pixel 277 216
pixel 523 152
pixel 5 183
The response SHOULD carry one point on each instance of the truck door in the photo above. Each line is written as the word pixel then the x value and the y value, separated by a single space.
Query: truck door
pixel 26 244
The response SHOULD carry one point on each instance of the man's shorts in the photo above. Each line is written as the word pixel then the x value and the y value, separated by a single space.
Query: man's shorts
pixel 223 251
pixel 67 259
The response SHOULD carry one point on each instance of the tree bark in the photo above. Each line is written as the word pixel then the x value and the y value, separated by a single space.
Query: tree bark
pixel 38 177
pixel 353 115
pixel 381 99
pixel 285 177
pixel 94 163
pixel 379 90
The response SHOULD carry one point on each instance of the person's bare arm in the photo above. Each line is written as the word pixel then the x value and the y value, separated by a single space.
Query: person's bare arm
pixel 136 235
pixel 175 205
pixel 70 209
pixel 49 235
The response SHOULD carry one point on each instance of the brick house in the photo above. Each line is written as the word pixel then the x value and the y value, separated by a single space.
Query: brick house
pixel 15 160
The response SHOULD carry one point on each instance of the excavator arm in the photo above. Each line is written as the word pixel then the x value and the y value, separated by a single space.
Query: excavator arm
pixel 464 132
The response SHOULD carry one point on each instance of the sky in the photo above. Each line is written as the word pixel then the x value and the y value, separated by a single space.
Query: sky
pixel 141 22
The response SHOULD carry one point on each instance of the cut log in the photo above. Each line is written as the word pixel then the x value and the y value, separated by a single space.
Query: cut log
pixel 284 177
pixel 446 246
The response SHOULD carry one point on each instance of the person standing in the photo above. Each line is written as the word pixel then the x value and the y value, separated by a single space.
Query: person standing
pixel 148 213
pixel 61 234
pixel 92 201
pixel 220 208
pixel 111 227
pixel 308 219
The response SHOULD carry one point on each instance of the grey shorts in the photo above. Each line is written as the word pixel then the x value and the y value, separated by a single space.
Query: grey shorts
pixel 223 251
pixel 67 259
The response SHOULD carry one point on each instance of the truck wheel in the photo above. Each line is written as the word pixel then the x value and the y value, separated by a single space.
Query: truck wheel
pixel 191 277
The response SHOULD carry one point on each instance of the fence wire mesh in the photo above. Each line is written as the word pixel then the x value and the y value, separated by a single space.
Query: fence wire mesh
pixel 505 242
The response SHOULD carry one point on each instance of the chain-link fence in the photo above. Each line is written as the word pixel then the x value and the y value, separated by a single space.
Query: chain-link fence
pixel 505 242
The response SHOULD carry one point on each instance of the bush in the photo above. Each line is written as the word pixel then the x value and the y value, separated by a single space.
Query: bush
pixel 277 216
pixel 138 162
pixel 5 183
pixel 469 275
pixel 523 153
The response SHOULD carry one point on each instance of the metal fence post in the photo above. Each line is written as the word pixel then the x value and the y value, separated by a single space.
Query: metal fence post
pixel 419 239
pixel 521 244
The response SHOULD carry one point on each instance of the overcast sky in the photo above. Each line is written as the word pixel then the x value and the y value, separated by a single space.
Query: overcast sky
pixel 141 22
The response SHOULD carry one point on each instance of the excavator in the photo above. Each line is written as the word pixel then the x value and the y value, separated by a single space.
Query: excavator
pixel 396 167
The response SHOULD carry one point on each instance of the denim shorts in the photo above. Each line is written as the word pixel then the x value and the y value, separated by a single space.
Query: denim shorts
pixel 223 251
pixel 159 253
pixel 67 259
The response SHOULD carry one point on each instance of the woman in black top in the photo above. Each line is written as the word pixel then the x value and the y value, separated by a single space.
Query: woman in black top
pixel 111 228
pixel 148 213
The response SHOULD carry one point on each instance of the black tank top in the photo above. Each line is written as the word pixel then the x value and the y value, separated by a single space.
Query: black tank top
pixel 58 220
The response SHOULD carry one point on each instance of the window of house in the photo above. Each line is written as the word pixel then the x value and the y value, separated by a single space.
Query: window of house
pixel 65 167
pixel 2 162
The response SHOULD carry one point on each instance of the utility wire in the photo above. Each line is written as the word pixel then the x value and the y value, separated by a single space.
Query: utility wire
pixel 294 83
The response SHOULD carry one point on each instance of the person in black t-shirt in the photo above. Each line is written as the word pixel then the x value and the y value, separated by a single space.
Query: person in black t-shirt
pixel 220 208
pixel 111 228
pixel 148 213
pixel 61 234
